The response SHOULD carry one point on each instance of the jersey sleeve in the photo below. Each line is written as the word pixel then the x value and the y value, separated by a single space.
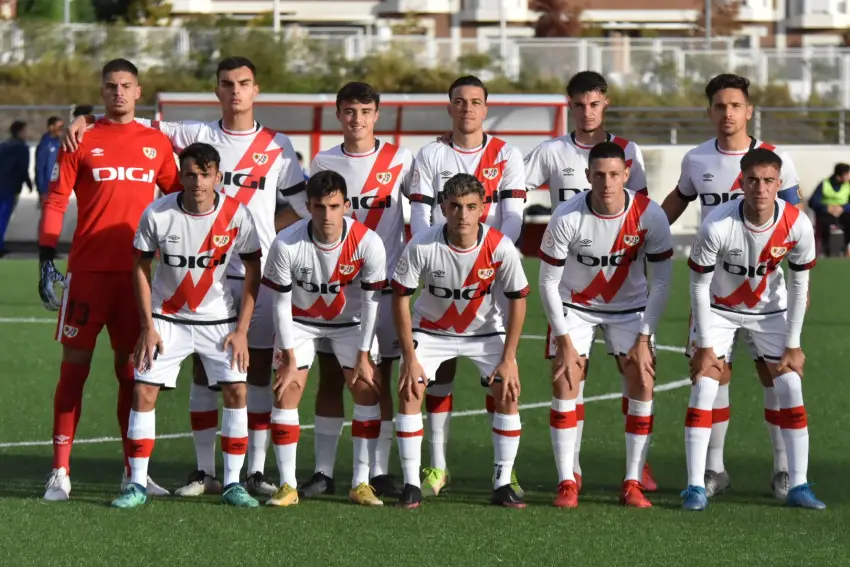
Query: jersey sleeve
pixel 62 181
pixel 408 269
pixel 555 244
pixel 277 274
pixel 145 242
pixel 373 274
pixel 706 247
pixel 291 178
pixel 537 167
pixel 423 189
pixel 511 275
pixel 637 171
pixel 247 243
pixel 168 176
pixel 659 241
pixel 179 134
pixel 686 188
pixel 790 191
pixel 802 256
pixel 408 163
pixel 512 195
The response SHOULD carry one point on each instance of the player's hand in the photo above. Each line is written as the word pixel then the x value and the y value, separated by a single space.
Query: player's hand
pixel 410 376
pixel 363 371
pixel 567 364
pixel 445 138
pixel 148 348
pixel 238 342
pixel 285 375
pixel 792 360
pixel 508 372
pixel 641 356
pixel 74 134
pixel 703 361
pixel 49 276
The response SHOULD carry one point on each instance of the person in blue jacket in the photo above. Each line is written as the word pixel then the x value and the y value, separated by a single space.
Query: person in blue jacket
pixel 831 204
pixel 14 174
pixel 45 155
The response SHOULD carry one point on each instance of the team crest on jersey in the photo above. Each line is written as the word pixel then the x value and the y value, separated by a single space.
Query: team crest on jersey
pixel 384 178
pixel 150 153
pixel 260 159
pixel 54 175
pixel 346 269
pixel 548 239
pixel 631 239
pixel 490 172
pixel 70 331
pixel 220 240
pixel 778 251
pixel 415 180
pixel 486 273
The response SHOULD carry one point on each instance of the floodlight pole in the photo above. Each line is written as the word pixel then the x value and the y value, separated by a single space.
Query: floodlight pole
pixel 276 16
pixel 708 24
pixel 67 16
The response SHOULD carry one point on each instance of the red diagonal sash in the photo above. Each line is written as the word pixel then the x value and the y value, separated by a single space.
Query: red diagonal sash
pixel 494 171
pixel 266 157
pixel 381 178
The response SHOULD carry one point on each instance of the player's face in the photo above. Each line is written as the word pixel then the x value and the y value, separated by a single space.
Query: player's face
pixel 357 119
pixel 462 214
pixel 198 184
pixel 730 111
pixel 587 111
pixel 57 128
pixel 120 91
pixel 607 179
pixel 328 214
pixel 236 90
pixel 468 109
pixel 761 183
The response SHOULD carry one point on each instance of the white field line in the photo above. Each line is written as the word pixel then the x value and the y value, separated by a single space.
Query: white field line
pixel 466 413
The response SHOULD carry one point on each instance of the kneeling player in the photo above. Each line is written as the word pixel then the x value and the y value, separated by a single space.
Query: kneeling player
pixel 310 265
pixel 604 235
pixel 188 310
pixel 746 240
pixel 459 263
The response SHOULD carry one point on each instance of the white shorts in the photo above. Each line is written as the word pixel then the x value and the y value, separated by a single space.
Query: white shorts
pixel 180 341
pixel 342 342
pixel 621 332
pixel 433 350
pixel 767 333
pixel 386 336
pixel 748 342
pixel 261 330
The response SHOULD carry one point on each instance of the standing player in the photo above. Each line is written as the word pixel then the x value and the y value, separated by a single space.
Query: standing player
pixel 461 264
pixel 737 283
pixel 605 236
pixel 379 172
pixel 259 169
pixel 499 168
pixel 311 266
pixel 114 175
pixel 561 163
pixel 712 172
pixel 188 309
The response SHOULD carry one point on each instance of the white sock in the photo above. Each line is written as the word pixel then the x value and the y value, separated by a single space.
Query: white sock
pixel 579 426
pixel 365 429
pixel 141 433
pixel 506 432
pixel 698 428
pixel 234 442
pixel 285 433
pixel 260 402
pixel 772 418
pixel 562 430
pixel 203 412
pixel 381 465
pixel 638 428
pixel 719 426
pixel 795 427
pixel 409 430
pixel 438 404
pixel 326 434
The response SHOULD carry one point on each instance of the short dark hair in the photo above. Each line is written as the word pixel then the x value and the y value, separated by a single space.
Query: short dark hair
pixel 463 184
pixel 841 169
pixel 357 92
pixel 727 81
pixel 235 62
pixel 17 127
pixel 204 156
pixel 586 82
pixel 326 183
pixel 82 110
pixel 118 65
pixel 606 150
pixel 760 156
pixel 53 120
pixel 468 81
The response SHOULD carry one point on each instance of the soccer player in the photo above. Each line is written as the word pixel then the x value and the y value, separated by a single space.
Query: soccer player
pixel 737 283
pixel 560 163
pixel 312 267
pixel 377 174
pixel 712 172
pixel 461 263
pixel 114 174
pixel 260 170
pixel 499 168
pixel 593 275
pixel 188 309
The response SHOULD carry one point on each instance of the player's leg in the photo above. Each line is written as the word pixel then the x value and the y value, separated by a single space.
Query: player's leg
pixel 438 405
pixel 647 480
pixel 779 481
pixel 717 479
pixel 388 348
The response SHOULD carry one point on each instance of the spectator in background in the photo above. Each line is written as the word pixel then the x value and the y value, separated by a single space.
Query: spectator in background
pixel 45 155
pixel 831 204
pixel 301 164
pixel 14 173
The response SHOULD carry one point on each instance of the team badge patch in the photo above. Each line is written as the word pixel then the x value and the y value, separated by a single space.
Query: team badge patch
pixel 548 239
pixel 631 239
pixel 384 178
pixel 150 153
pixel 778 251
pixel 54 175
pixel 220 240
pixel 260 159
pixel 415 181
pixel 402 266
pixel 346 269
pixel 490 172
pixel 486 273
pixel 70 331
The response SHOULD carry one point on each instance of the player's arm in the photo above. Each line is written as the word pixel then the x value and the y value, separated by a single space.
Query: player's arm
pixel 248 247
pixel 679 198
pixel 801 259
pixel 408 165
pixel 553 252
pixel 292 189
pixel 637 172
pixel 659 257
pixel 790 191
pixel 373 279
pixel 704 253
pixel 145 244
pixel 62 182
pixel 168 176
pixel 536 165
pixel 513 281
pixel 512 195
pixel 423 195
pixel 405 281
pixel 179 134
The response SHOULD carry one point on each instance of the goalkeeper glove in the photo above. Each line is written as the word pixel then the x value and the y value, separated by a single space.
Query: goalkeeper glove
pixel 49 276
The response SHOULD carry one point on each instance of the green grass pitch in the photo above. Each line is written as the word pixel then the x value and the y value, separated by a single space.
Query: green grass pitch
pixel 743 527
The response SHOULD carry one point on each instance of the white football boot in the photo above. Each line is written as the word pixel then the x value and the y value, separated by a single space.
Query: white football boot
pixel 58 486
pixel 199 483
pixel 153 489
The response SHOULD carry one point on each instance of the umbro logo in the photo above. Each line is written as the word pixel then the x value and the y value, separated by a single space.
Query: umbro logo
pixel 97 152
pixel 173 238
pixel 736 252
pixel 586 242
pixel 438 274
pixel 707 177
pixel 306 271
pixel 568 171
pixel 446 174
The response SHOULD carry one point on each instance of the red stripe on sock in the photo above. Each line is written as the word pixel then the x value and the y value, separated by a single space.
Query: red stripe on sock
pixel 624 405
pixel 67 406
pixel 419 433
pixel 438 404
pixel 234 445
pixel 793 418
pixel 366 429
pixel 580 412
pixel 285 434
pixel 490 403
pixel 507 432
pixel 719 415
pixel 698 418
pixel 203 420
pixel 562 419
pixel 259 421
pixel 141 448
pixel 773 417
pixel 639 424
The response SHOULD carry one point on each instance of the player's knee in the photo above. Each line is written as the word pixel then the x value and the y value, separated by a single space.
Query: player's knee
pixel 144 397
pixel 76 356
pixel 446 372
pixel 562 390
pixel 726 374
pixel 363 394
pixel 506 406
pixel 234 396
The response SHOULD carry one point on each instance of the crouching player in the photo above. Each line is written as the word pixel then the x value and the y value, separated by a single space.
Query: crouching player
pixel 188 310
pixel 592 275
pixel 745 241
pixel 311 264
pixel 460 264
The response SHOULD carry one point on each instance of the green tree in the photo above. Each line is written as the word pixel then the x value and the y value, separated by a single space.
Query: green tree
pixel 41 10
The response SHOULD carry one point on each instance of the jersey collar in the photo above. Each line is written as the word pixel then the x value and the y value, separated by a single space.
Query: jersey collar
pixel 483 145
pixel 753 142
pixel 446 235
pixel 319 244
pixel 744 219
pixel 257 128
pixel 578 144
pixel 342 149
pixel 590 206
pixel 216 200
